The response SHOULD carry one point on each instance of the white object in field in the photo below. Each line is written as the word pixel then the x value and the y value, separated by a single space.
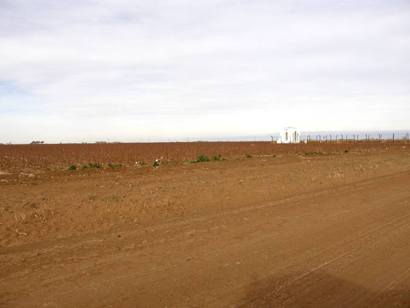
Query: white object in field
pixel 289 135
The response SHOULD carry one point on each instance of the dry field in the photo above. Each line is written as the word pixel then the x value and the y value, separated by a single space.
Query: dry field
pixel 51 157
pixel 309 225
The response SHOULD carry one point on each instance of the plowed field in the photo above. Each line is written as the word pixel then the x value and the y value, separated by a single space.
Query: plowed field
pixel 309 225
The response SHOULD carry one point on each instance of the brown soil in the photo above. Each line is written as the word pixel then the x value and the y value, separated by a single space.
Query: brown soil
pixel 315 225
pixel 51 157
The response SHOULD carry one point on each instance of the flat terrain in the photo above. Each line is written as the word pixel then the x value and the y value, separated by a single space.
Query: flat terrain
pixel 314 225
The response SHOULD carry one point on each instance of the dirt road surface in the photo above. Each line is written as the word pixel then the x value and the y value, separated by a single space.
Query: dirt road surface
pixel 282 231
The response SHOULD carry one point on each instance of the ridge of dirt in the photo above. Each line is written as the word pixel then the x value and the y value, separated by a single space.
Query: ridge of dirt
pixel 284 230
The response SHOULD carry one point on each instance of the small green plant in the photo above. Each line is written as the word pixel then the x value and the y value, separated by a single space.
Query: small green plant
pixel 95 165
pixel 72 168
pixel 114 166
pixel 156 163
pixel 92 166
pixel 201 159
pixel 217 157
pixel 314 153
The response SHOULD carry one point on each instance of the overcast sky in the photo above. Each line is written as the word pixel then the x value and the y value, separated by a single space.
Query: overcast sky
pixel 165 70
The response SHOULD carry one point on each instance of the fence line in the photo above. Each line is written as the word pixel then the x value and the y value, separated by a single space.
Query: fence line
pixel 356 137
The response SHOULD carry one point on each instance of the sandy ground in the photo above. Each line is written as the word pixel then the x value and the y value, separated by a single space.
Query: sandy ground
pixel 288 230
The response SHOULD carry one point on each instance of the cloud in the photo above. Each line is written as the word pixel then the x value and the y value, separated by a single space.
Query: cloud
pixel 176 69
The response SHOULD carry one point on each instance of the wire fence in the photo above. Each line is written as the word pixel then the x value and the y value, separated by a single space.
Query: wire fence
pixel 327 137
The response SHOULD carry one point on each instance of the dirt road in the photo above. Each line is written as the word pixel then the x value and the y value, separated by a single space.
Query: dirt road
pixel 343 240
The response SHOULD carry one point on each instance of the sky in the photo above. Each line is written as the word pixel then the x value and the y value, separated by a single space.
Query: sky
pixel 152 70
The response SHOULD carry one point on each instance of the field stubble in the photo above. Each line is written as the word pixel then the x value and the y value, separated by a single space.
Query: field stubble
pixel 268 225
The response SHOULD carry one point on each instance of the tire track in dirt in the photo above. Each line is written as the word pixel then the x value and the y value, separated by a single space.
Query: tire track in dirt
pixel 350 251
pixel 76 242
pixel 379 230
pixel 56 250
pixel 121 272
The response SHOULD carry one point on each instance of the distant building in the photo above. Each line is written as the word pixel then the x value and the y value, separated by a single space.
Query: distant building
pixel 289 135
pixel 37 142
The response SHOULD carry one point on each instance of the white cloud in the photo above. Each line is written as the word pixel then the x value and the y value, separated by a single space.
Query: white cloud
pixel 127 70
